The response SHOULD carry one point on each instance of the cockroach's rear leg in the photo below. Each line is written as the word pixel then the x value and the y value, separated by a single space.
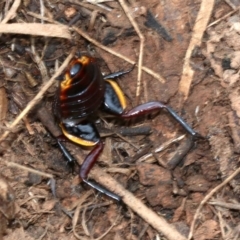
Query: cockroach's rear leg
pixel 152 107
pixel 85 134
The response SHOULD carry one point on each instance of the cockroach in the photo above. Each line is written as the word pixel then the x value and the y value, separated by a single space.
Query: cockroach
pixel 84 93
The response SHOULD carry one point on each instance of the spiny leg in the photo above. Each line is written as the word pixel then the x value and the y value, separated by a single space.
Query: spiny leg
pixel 85 134
pixel 87 166
pixel 114 103
pixel 117 74
pixel 151 107
pixel 66 154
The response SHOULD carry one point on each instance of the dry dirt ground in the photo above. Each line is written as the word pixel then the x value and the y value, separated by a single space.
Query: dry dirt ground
pixel 33 207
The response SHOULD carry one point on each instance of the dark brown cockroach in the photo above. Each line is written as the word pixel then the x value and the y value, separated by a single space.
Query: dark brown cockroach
pixel 81 95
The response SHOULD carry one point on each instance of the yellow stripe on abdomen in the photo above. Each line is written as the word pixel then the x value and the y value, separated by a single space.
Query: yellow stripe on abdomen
pixel 119 93
pixel 77 140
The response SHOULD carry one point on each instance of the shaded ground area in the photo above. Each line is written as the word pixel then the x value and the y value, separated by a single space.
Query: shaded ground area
pixel 143 164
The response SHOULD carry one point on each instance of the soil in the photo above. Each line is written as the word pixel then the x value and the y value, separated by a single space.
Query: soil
pixel 33 207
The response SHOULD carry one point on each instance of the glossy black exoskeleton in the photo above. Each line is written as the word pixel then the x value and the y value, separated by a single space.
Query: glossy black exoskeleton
pixel 81 95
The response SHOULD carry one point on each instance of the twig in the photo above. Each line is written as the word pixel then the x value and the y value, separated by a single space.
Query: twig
pixel 109 229
pixel 160 148
pixel 142 39
pixel 232 5
pixel 30 198
pixel 90 6
pixel 235 206
pixel 151 217
pixel 224 17
pixel 45 231
pixel 38 60
pixel 12 12
pixel 98 44
pixel 12 164
pixel 39 96
pixel 222 227
pixel 38 29
pixel 81 200
pixel 208 196
pixel 122 137
pixel 198 30
pixel 28 126
pixel 42 8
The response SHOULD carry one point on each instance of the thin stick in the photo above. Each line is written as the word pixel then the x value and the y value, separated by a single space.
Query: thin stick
pixel 42 10
pixel 232 5
pixel 142 39
pixel 12 12
pixel 39 96
pixel 81 200
pixel 12 164
pixel 198 30
pixel 235 206
pixel 90 6
pixel 151 217
pixel 224 17
pixel 37 29
pixel 208 196
pixel 98 44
